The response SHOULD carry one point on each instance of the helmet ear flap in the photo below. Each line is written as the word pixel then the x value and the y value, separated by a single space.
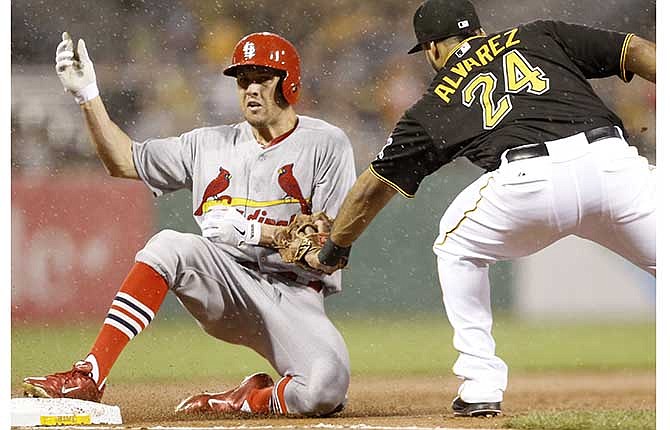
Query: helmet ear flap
pixel 280 93
pixel 289 90
pixel 293 88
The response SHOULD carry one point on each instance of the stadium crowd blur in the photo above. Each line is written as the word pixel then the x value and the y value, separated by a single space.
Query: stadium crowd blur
pixel 159 65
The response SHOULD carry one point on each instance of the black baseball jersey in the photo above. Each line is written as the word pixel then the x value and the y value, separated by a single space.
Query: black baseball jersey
pixel 495 92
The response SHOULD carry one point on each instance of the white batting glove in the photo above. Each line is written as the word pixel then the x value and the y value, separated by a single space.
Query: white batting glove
pixel 229 226
pixel 76 71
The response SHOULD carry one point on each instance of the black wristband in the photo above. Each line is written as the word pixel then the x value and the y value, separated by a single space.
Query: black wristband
pixel 333 255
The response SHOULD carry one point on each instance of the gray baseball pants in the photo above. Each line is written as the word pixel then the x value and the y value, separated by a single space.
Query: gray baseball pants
pixel 283 321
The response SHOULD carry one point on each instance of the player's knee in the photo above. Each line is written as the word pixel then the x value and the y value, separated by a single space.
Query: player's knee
pixel 327 391
pixel 168 250
pixel 171 241
pixel 325 401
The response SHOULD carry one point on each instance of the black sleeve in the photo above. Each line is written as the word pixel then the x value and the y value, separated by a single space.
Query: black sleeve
pixel 408 156
pixel 598 53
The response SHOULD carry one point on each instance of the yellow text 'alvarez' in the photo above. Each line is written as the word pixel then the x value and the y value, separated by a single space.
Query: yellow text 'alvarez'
pixel 481 57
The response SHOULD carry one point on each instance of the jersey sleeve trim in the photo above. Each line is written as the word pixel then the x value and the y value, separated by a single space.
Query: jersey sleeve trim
pixel 625 75
pixel 391 184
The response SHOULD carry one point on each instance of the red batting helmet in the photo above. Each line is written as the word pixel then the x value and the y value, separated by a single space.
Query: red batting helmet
pixel 269 50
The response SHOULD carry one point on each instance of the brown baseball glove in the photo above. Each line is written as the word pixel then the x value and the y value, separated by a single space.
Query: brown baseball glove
pixel 305 234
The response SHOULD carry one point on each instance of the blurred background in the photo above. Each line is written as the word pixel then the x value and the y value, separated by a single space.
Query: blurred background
pixel 159 63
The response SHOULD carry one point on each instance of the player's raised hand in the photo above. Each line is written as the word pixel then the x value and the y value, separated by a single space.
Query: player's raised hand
pixel 75 69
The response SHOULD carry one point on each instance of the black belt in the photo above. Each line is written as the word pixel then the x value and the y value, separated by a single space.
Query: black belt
pixel 315 285
pixel 291 276
pixel 540 149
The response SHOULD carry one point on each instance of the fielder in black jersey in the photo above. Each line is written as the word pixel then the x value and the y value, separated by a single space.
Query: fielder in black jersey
pixel 518 104
pixel 495 92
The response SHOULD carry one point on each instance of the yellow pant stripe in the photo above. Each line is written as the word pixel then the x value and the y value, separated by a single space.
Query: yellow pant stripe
pixel 469 211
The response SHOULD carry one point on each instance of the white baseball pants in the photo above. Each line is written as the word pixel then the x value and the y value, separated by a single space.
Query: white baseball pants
pixel 602 191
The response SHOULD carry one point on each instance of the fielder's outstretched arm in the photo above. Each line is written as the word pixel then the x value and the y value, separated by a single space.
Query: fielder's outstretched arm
pixel 363 202
pixel 76 73
pixel 641 58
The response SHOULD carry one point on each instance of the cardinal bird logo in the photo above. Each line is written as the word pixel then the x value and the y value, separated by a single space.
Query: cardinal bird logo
pixel 289 184
pixel 216 187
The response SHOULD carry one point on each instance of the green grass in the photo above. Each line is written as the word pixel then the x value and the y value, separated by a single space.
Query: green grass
pixel 576 346
pixel 177 349
pixel 602 420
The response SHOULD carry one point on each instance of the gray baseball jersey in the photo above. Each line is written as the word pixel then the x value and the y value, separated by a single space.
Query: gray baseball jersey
pixel 311 170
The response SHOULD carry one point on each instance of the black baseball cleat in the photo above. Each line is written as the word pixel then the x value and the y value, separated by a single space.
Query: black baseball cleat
pixel 484 409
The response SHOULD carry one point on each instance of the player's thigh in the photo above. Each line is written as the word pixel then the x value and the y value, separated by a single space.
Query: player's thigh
pixel 216 289
pixel 227 303
pixel 628 224
pixel 629 184
pixel 171 253
pixel 304 342
pixel 502 215
pixel 633 238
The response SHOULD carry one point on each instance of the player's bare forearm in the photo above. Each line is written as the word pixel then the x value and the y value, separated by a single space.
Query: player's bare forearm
pixel 641 58
pixel 363 202
pixel 111 143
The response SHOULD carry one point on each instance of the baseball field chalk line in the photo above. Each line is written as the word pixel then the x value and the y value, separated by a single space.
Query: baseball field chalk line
pixel 243 427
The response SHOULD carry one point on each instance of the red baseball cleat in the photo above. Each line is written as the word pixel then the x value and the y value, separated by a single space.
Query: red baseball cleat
pixel 234 400
pixel 73 384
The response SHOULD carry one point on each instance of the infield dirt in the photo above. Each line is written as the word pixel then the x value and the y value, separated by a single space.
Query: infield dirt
pixel 404 401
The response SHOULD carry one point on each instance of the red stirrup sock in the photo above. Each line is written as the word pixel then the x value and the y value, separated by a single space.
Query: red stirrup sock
pixel 133 308
pixel 278 402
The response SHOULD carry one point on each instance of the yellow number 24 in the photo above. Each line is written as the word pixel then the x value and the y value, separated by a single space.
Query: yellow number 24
pixel 519 76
